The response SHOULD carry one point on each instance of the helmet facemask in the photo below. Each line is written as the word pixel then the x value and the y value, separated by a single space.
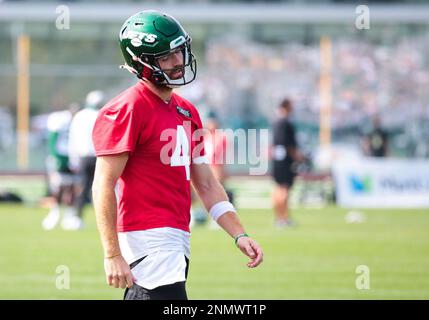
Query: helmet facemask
pixel 152 71
pixel 188 68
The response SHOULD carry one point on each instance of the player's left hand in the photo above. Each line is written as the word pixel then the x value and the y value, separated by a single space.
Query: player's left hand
pixel 251 249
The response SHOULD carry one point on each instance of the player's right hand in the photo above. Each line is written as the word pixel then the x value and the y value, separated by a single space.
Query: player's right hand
pixel 251 249
pixel 118 272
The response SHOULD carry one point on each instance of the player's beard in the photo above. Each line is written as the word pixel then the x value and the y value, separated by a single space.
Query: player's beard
pixel 176 73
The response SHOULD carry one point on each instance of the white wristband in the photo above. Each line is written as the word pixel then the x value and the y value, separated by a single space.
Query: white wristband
pixel 220 208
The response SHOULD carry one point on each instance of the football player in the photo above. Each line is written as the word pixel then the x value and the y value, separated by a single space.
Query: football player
pixel 285 153
pixel 81 154
pixel 60 178
pixel 149 148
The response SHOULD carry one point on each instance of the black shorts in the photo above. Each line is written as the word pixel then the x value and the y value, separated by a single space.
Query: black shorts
pixel 174 291
pixel 283 174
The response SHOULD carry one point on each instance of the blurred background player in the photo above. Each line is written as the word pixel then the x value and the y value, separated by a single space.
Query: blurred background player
pixel 82 154
pixel 60 177
pixel 284 153
pixel 215 144
pixel 375 143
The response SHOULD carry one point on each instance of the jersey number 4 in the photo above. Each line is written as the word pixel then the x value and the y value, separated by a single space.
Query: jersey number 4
pixel 180 155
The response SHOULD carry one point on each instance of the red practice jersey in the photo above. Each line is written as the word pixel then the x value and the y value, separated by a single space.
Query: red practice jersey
pixel 154 188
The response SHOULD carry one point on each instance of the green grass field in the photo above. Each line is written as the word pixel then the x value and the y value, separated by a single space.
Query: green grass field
pixel 317 260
